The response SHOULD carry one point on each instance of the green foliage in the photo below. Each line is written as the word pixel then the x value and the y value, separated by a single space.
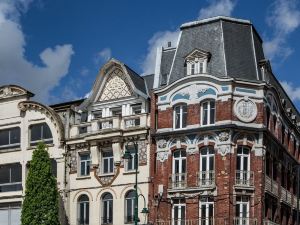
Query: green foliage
pixel 40 206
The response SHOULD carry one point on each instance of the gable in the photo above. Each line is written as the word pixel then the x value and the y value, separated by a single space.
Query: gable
pixel 116 86
pixel 196 54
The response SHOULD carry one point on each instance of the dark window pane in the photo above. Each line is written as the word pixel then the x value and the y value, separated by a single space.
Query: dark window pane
pixel 4 174
pixel 46 132
pixel 4 137
pixel 15 135
pixel 54 167
pixel 36 132
pixel 16 173
pixel 184 115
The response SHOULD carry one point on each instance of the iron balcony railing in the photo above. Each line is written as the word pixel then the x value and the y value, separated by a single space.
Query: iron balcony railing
pixel 271 185
pixel 244 178
pixel 206 179
pixel 177 181
pixel 286 196
pixel 200 221
pixel 244 221
pixel 106 220
pixel 268 222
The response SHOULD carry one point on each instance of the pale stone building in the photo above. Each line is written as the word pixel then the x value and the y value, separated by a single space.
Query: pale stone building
pixel 101 183
pixel 24 123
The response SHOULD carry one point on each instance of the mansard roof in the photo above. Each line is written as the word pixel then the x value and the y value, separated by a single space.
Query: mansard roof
pixel 10 91
pixel 234 44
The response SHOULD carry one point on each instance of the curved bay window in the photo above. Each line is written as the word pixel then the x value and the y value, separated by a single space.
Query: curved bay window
pixel 180 116
pixel 207 168
pixel 40 133
pixel 178 179
pixel 208 112
pixel 107 208
pixel 129 206
pixel 83 213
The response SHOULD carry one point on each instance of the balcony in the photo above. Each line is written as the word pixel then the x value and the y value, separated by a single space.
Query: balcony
pixel 206 179
pixel 268 222
pixel 286 196
pixel 134 121
pixel 177 181
pixel 271 186
pixel 200 221
pixel 243 179
pixel 244 221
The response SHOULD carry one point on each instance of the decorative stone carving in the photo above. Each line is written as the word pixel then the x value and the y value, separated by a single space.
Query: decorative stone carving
pixel 192 149
pixel 162 143
pixel 12 90
pixel 245 109
pixel 115 87
pixel 224 150
pixel 223 136
pixel 142 152
pixel 162 156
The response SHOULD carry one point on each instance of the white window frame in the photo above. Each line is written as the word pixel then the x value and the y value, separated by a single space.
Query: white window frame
pixel 11 145
pixel 207 157
pixel 132 159
pixel 241 156
pixel 109 161
pixel 178 177
pixel 180 116
pixel 209 110
pixel 87 162
pixel 132 202
pixel 180 204
pixel 198 63
pixel 84 203
pixel 244 201
pixel 107 202
pixel 206 219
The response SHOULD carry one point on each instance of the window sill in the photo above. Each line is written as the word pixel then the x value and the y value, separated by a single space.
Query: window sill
pixel 35 146
pixel 5 150
pixel 130 172
pixel 83 177
pixel 106 175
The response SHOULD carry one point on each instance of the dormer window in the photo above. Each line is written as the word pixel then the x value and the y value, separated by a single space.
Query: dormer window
pixel 196 62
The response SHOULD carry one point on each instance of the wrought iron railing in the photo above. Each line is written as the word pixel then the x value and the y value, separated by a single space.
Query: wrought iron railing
pixel 206 178
pixel 244 178
pixel 244 221
pixel 177 181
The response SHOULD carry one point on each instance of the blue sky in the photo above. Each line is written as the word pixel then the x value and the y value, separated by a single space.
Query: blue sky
pixel 56 47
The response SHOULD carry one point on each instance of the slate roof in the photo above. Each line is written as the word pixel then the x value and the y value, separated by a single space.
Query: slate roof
pixel 149 79
pixel 234 45
pixel 138 81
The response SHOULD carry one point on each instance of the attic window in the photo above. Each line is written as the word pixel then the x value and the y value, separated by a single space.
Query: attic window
pixel 196 62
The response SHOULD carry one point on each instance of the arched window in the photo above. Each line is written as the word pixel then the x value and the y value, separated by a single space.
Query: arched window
pixel 83 213
pixel 243 166
pixel 208 112
pixel 207 168
pixel 179 169
pixel 180 116
pixel 129 206
pixel 107 208
pixel 40 132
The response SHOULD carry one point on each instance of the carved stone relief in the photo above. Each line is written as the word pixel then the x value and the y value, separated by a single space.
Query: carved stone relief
pixel 245 109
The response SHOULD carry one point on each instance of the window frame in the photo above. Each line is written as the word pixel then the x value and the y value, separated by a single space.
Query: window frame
pixel 15 185
pixel 180 205
pixel 45 140
pixel 109 203
pixel 11 145
pixel 196 66
pixel 207 202
pixel 86 207
pixel 132 161
pixel 132 203
pixel 209 111
pixel 110 160
pixel 181 116
pixel 87 164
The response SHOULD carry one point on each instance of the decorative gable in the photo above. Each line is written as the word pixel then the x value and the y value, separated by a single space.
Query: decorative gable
pixel 197 54
pixel 116 87
pixel 13 91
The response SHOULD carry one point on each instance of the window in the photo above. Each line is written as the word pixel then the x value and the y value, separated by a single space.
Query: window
pixel 242 211
pixel 136 109
pixel 10 177
pixel 196 67
pixel 107 208
pixel 179 169
pixel 107 162
pixel 208 111
pixel 178 212
pixel 10 138
pixel 116 111
pixel 40 132
pixel 97 114
pixel 180 116
pixel 129 206
pixel 207 211
pixel 10 213
pixel 243 165
pixel 131 163
pixel 85 161
pixel 207 173
pixel 83 214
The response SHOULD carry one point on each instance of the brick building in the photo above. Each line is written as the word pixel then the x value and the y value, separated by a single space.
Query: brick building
pixel 225 136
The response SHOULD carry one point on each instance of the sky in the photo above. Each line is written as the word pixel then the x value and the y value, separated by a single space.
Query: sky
pixel 55 48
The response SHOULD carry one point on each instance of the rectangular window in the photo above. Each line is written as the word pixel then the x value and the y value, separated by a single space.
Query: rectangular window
pixel 207 211
pixel 107 162
pixel 85 164
pixel 10 213
pixel 116 111
pixel 180 116
pixel 208 111
pixel 133 161
pixel 242 210
pixel 10 177
pixel 136 109
pixel 40 132
pixel 10 138
pixel 178 212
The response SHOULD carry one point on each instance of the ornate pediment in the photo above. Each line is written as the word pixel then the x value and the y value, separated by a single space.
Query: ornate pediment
pixel 12 91
pixel 116 86
pixel 197 54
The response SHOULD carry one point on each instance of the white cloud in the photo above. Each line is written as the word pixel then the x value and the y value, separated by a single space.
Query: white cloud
pixel 158 39
pixel 221 7
pixel 291 90
pixel 217 8
pixel 102 56
pixel 284 18
pixel 84 71
pixel 15 68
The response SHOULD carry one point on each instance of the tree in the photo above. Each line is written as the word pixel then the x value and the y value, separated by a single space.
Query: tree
pixel 40 206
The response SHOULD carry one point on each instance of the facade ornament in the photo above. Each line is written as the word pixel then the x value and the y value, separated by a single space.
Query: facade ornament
pixel 223 150
pixel 162 156
pixel 162 144
pixel 245 109
pixel 223 136
pixel 192 149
